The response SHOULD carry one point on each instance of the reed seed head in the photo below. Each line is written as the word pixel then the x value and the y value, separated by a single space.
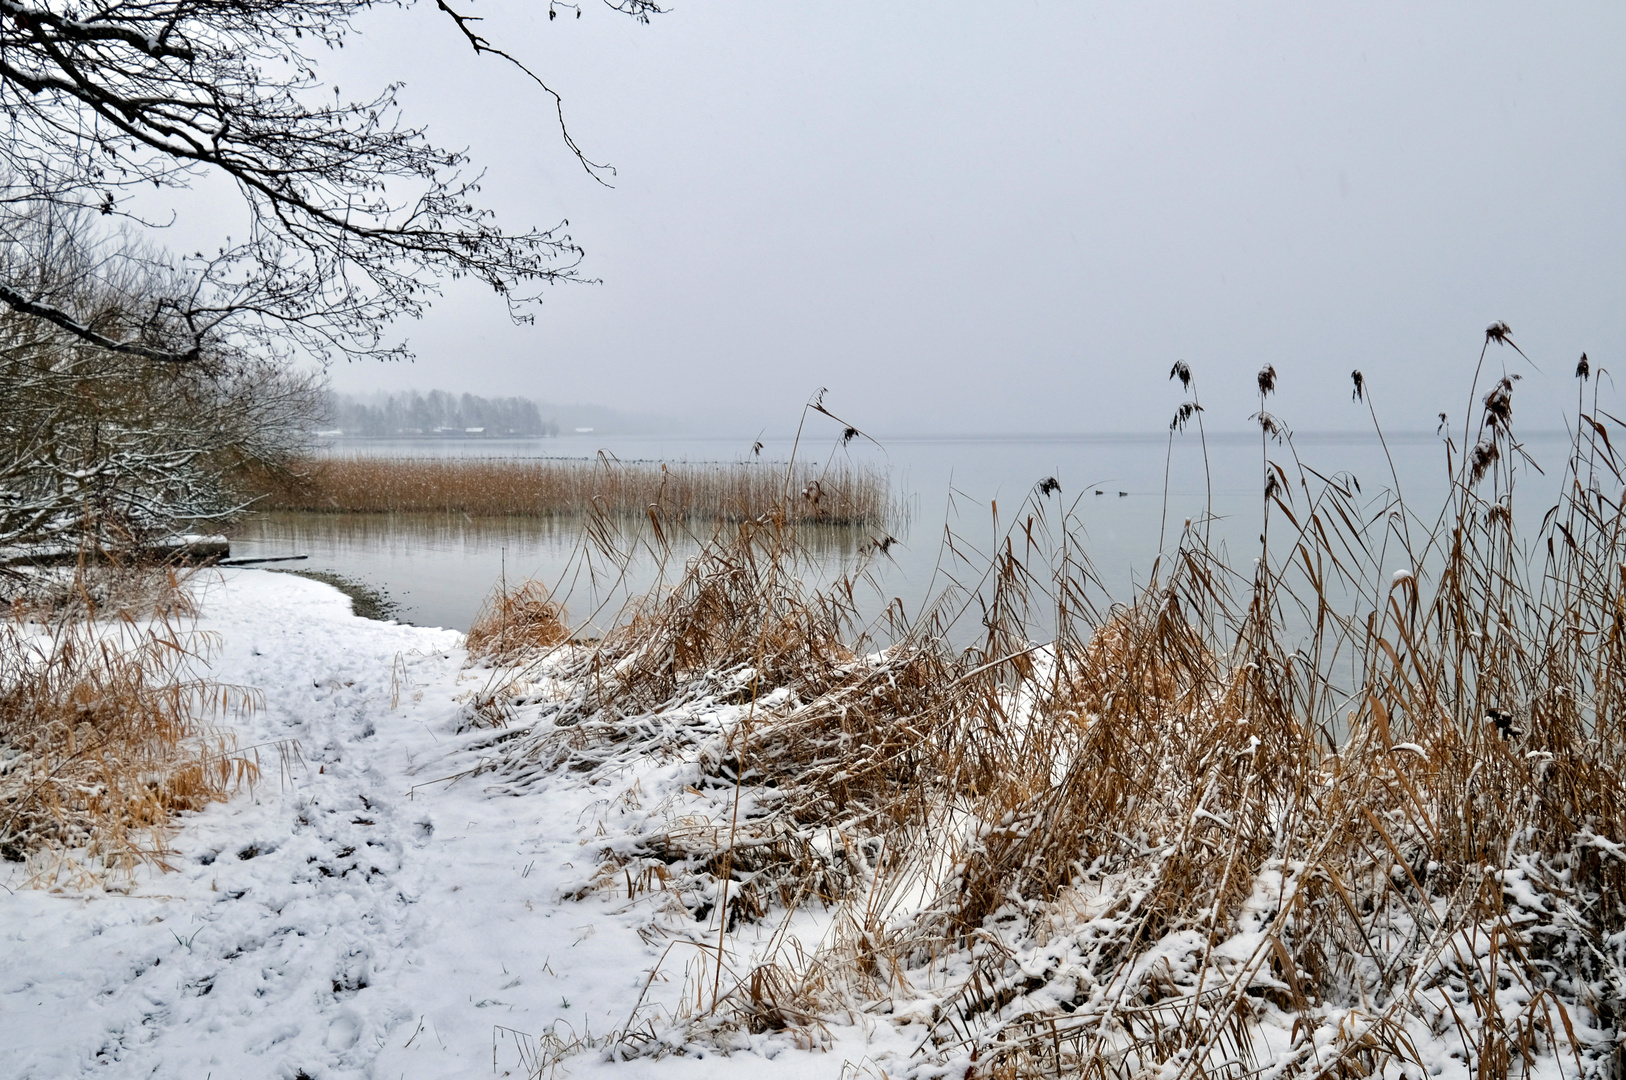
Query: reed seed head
pixel 1485 454
pixel 1499 404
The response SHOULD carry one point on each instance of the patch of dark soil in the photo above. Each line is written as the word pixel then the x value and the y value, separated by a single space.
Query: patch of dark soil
pixel 368 601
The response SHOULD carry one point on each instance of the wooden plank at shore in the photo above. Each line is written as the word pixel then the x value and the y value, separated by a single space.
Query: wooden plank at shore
pixel 190 553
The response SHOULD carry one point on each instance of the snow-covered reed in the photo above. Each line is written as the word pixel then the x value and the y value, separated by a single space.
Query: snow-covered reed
pixel 1315 817
pixel 105 731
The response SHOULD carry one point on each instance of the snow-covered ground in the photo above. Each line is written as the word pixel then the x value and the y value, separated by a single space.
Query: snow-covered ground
pixel 354 915
pixel 411 895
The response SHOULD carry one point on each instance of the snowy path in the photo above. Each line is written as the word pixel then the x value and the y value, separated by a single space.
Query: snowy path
pixel 338 921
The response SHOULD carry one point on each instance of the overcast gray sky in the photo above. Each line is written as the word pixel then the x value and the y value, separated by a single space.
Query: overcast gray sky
pixel 1014 217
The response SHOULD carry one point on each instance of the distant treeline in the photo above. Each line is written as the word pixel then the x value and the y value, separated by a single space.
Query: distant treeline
pixel 437 413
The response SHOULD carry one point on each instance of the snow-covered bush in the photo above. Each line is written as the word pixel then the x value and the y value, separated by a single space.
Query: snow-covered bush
pixel 112 449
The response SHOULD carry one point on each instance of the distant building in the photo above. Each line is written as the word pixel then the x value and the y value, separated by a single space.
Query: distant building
pixel 437 415
pixel 584 431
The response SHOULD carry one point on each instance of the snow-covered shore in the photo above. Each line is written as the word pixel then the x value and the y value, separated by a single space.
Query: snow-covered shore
pixel 353 915
pixel 417 895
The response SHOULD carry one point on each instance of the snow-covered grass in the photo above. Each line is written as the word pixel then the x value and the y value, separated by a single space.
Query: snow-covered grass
pixel 57 595
pixel 1317 819
pixel 355 913
pixel 1117 854
pixel 105 726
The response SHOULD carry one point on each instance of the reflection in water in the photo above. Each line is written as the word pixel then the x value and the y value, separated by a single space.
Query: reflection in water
pixel 439 567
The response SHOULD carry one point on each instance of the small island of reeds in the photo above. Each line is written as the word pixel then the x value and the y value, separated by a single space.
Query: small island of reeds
pixel 838 494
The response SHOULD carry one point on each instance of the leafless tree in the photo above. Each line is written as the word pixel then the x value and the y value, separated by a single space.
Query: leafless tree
pixel 116 449
pixel 356 217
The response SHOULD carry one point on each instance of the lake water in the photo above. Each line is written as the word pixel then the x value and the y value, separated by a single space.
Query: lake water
pixel 438 569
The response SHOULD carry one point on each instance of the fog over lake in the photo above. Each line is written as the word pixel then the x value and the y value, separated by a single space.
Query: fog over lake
pixel 989 232
pixel 964 218
pixel 438 568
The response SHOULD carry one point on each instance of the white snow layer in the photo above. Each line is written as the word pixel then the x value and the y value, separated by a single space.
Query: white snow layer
pixel 351 916
pixel 361 914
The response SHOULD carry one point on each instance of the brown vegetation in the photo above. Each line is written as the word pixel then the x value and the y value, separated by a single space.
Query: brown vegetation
pixel 96 589
pixel 1371 794
pixel 516 623
pixel 840 494
pixel 104 732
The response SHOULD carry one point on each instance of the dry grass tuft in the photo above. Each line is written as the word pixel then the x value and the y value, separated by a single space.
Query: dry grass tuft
pixel 105 736
pixel 517 624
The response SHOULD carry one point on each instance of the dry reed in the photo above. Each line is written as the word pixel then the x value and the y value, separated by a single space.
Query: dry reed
pixel 104 732
pixel 839 494
pixel 1358 811
pixel 97 590
pixel 515 624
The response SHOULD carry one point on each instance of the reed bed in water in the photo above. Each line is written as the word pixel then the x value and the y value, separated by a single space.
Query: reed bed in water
pixel 1356 809
pixel 837 494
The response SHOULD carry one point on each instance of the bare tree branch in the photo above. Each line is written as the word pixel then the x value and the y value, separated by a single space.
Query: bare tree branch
pixel 58 318
pixel 356 217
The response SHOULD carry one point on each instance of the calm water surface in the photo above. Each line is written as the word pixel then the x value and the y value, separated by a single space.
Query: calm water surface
pixel 439 568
